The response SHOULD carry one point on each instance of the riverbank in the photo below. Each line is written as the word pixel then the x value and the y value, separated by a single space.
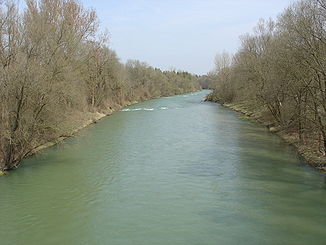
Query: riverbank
pixel 82 121
pixel 89 119
pixel 308 149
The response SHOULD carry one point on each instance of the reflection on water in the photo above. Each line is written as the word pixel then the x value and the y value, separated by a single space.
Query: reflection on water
pixel 169 171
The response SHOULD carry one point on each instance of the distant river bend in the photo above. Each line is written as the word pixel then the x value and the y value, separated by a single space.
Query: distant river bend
pixel 174 170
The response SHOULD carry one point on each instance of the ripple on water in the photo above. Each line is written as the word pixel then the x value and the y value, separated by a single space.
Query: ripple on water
pixel 196 175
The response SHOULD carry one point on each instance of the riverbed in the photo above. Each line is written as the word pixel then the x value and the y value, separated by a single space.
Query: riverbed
pixel 173 170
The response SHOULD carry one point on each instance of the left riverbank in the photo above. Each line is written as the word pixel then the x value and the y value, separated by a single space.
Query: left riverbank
pixel 89 119
pixel 82 121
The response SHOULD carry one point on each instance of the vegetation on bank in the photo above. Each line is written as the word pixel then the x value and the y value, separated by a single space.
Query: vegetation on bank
pixel 255 113
pixel 280 73
pixel 57 72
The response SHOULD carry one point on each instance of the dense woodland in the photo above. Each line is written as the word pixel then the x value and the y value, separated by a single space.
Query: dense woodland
pixel 56 66
pixel 282 66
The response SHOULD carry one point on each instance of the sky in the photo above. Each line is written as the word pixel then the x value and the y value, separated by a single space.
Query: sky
pixel 180 34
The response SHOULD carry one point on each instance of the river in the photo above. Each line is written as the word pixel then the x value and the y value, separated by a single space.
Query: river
pixel 170 171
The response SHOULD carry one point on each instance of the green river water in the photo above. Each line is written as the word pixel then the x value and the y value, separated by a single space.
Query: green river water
pixel 170 171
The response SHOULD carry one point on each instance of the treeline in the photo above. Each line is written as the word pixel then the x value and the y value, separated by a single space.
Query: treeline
pixel 54 64
pixel 282 66
pixel 207 81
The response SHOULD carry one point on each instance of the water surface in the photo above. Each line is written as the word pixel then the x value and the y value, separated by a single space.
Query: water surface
pixel 173 171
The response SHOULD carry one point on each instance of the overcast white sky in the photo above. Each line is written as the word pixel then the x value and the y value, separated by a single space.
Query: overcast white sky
pixel 182 34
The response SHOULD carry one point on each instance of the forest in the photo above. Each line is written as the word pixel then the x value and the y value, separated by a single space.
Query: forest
pixel 57 71
pixel 279 74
